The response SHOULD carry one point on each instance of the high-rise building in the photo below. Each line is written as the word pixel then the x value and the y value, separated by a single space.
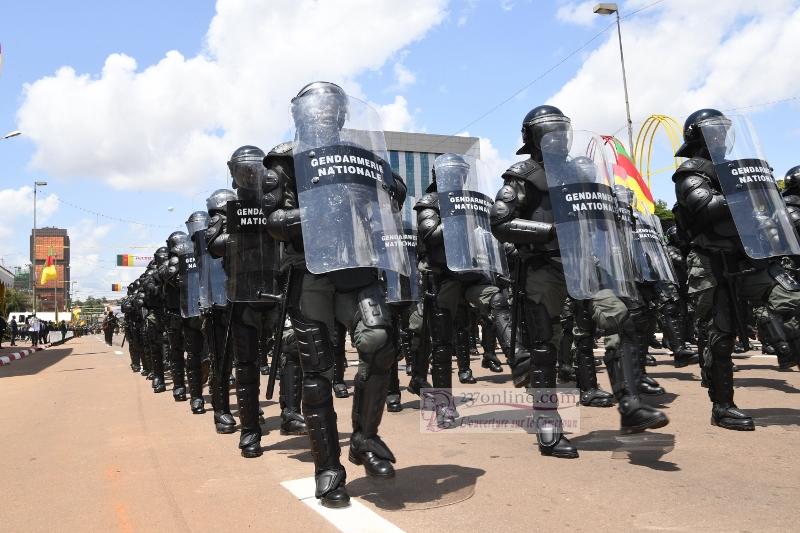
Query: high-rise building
pixel 411 155
pixel 55 242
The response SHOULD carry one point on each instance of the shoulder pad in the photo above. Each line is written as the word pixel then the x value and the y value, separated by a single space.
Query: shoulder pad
pixel 696 165
pixel 792 199
pixel 428 201
pixel 522 169
pixel 283 150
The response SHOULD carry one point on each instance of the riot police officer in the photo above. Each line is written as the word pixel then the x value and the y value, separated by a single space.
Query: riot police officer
pixel 732 239
pixel 210 248
pixel 345 288
pixel 156 315
pixel 523 214
pixel 448 254
pixel 176 243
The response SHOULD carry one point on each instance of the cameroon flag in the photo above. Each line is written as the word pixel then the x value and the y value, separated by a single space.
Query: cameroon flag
pixel 125 260
pixel 626 173
pixel 116 287
pixel 49 270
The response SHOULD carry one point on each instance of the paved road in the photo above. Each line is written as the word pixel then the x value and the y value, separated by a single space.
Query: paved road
pixel 88 447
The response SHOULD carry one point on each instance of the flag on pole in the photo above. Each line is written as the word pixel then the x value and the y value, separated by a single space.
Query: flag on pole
pixel 626 173
pixel 116 287
pixel 49 271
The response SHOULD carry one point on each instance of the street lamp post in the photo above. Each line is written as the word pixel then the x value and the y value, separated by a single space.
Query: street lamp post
pixel 36 185
pixel 607 8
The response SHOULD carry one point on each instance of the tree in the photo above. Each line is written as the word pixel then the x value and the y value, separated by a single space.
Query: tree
pixel 17 300
pixel 664 213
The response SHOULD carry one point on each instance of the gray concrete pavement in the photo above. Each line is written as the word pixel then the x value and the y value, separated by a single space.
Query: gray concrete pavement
pixel 88 447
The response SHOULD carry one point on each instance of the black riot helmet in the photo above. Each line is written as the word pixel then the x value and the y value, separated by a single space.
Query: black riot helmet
pixel 705 131
pixel 197 221
pixel 247 167
pixel 161 255
pixel 175 238
pixel 537 124
pixel 218 201
pixel 319 111
pixel 791 182
pixel 449 161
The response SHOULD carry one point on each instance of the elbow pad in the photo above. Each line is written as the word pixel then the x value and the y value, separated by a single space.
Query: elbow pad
pixel 284 224
pixel 399 190
pixel 521 231
pixel 429 227
pixel 216 247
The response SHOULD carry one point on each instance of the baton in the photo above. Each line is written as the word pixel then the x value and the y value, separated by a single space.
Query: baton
pixel 277 347
pixel 737 311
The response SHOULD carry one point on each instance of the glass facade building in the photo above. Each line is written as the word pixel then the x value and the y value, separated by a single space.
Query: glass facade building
pixel 411 155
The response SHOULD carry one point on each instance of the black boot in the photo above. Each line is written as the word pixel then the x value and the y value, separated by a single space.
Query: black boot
pixel 158 375
pixel 491 361
pixel 674 333
pixel 393 404
pixel 247 398
pixel 549 430
pixel 329 474
pixel 647 385
pixel 623 371
pixel 197 403
pixel 289 397
pixel 724 412
pixel 366 447
pixel 591 394
pixel 462 355
pixel 224 422
pixel 442 375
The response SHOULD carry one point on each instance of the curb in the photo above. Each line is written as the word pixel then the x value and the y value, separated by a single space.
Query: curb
pixel 6 359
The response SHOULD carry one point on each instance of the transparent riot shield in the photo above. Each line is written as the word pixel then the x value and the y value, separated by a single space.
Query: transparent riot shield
pixel 343 184
pixel 466 194
pixel 593 251
pixel 190 283
pixel 401 288
pixel 756 205
pixel 213 281
pixel 251 254
pixel 650 252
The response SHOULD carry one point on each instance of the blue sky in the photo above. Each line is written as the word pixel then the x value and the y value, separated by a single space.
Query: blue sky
pixel 132 141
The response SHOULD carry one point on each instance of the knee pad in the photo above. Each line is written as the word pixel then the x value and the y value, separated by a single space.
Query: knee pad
pixel 722 347
pixel 316 390
pixel 313 345
pixel 498 302
pixel 539 324
pixel 441 327
pixel 375 348
pixel 372 307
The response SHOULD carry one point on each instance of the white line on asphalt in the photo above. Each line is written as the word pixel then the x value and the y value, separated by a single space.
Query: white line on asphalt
pixel 117 352
pixel 357 518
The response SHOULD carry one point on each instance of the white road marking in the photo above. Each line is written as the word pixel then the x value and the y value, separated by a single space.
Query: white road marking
pixel 358 518
pixel 117 352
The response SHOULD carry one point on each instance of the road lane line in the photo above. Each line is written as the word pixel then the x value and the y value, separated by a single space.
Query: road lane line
pixel 358 518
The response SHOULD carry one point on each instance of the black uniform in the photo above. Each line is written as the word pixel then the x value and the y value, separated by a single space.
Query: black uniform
pixel 353 297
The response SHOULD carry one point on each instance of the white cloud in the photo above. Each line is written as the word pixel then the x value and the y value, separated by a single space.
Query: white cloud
pixel 506 5
pixel 684 55
pixel 171 125
pixel 579 13
pixel 466 11
pixel 396 116
pixel 16 213
pixel 492 163
pixel 403 77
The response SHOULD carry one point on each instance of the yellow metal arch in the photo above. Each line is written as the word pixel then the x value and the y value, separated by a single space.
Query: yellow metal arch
pixel 643 148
